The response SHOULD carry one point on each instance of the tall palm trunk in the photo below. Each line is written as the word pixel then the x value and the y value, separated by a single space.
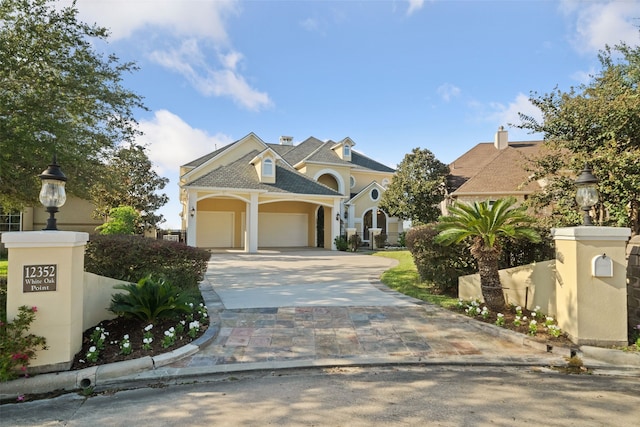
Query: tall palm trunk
pixel 490 285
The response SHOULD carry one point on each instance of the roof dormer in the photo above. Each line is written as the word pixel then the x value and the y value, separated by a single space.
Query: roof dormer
pixel 265 164
pixel 343 149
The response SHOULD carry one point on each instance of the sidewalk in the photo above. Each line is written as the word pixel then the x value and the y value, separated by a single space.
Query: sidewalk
pixel 332 331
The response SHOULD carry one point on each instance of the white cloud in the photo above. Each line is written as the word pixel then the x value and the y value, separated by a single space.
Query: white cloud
pixel 184 18
pixel 504 115
pixel 172 142
pixel 190 62
pixel 584 77
pixel 414 5
pixel 447 91
pixel 193 24
pixel 598 23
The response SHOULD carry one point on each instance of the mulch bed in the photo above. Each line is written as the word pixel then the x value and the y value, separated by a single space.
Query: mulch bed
pixel 119 327
pixel 542 334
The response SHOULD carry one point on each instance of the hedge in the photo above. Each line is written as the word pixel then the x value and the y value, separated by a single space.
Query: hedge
pixel 132 258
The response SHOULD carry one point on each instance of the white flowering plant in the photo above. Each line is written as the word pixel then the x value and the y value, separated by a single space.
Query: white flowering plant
pixel 533 322
pixel 140 339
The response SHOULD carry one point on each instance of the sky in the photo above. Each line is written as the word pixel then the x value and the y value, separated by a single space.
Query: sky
pixel 392 75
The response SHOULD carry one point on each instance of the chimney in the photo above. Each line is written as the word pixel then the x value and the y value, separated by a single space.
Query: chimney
pixel 502 139
pixel 286 140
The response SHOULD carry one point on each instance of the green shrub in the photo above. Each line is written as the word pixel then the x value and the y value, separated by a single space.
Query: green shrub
pixel 150 299
pixel 17 346
pixel 132 258
pixel 440 265
pixel 122 220
pixel 522 252
pixel 341 243
pixel 381 240
pixel 402 239
pixel 354 242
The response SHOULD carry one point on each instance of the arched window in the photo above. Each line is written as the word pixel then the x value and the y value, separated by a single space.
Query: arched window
pixel 347 150
pixel 267 167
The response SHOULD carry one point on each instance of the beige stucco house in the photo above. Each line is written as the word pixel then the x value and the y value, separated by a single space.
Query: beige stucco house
pixel 74 215
pixel 251 194
pixel 493 170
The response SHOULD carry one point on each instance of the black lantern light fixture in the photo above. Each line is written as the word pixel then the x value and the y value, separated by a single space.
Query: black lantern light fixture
pixel 192 211
pixel 586 192
pixel 338 216
pixel 52 193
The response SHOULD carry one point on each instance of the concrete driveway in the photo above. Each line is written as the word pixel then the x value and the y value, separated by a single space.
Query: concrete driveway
pixel 297 278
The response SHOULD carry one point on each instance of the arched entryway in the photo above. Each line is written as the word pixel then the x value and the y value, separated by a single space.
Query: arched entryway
pixel 369 221
pixel 320 227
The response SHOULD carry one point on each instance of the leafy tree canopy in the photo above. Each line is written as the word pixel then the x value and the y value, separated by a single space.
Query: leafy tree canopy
pixel 599 123
pixel 417 188
pixel 122 220
pixel 130 181
pixel 57 95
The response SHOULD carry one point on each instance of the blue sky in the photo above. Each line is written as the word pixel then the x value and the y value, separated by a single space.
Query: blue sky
pixel 391 74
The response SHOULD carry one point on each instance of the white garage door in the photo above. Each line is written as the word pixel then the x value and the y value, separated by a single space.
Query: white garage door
pixel 282 230
pixel 215 230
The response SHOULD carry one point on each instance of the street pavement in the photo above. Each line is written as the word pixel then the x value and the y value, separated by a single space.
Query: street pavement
pixel 353 396
pixel 292 309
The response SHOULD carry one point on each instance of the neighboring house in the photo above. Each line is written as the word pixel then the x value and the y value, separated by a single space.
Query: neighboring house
pixel 490 171
pixel 251 195
pixel 74 215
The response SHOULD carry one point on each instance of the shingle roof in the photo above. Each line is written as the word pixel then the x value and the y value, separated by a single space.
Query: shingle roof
pixel 365 162
pixel 201 160
pixel 314 150
pixel 486 169
pixel 240 174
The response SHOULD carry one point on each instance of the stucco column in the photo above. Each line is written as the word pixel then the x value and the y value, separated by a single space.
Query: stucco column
pixel 591 286
pixel 335 224
pixel 46 270
pixel 373 232
pixel 251 239
pixel 192 220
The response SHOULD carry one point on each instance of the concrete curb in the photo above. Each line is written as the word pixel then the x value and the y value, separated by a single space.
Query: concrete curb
pixel 611 356
pixel 102 374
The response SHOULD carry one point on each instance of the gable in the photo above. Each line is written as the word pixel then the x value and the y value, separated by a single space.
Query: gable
pixel 224 156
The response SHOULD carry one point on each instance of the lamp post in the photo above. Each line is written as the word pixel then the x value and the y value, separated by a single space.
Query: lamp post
pixel 586 192
pixel 52 193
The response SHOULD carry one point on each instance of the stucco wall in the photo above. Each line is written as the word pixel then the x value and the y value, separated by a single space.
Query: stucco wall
pixel 527 285
pixel 74 215
pixel 97 298
pixel 633 277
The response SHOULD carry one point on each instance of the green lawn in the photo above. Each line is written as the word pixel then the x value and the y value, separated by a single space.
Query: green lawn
pixel 404 279
pixel 3 267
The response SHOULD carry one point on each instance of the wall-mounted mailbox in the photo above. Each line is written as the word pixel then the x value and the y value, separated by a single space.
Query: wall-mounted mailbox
pixel 602 266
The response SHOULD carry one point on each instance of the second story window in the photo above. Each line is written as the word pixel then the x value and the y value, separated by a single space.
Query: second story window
pixel 347 150
pixel 267 167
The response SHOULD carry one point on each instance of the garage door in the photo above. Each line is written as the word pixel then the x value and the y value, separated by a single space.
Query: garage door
pixel 215 230
pixel 282 230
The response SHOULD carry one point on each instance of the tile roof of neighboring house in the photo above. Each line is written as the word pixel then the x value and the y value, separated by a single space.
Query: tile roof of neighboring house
pixel 240 174
pixel 486 169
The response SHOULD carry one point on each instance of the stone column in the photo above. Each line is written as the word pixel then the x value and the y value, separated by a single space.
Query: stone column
pixel 591 288
pixel 46 270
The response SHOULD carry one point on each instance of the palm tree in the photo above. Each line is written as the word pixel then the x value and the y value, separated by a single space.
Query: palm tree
pixel 485 224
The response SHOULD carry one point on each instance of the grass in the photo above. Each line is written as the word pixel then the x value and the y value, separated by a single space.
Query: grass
pixel 404 279
pixel 4 264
